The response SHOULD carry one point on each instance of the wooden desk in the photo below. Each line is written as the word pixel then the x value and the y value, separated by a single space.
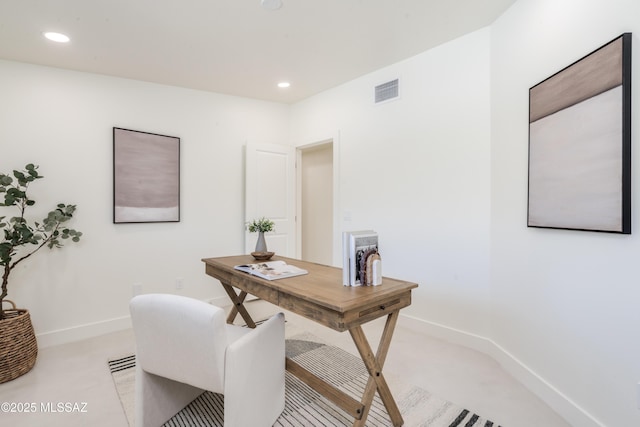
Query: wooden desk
pixel 320 296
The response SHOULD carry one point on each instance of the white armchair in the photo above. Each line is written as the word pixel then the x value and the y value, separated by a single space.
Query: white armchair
pixel 184 347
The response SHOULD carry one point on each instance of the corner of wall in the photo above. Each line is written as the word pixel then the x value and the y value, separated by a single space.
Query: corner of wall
pixel 562 404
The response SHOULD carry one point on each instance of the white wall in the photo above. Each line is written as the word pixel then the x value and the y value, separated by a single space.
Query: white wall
pixel 416 170
pixel 63 121
pixel 564 303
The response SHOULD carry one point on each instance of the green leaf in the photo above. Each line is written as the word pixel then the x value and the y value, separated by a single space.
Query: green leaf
pixel 32 171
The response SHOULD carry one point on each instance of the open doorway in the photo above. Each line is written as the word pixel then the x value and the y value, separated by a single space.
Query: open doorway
pixel 316 198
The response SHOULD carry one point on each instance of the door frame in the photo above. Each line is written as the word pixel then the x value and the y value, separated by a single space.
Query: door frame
pixel 334 139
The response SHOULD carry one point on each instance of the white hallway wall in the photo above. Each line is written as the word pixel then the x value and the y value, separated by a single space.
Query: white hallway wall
pixel 565 303
pixel 63 121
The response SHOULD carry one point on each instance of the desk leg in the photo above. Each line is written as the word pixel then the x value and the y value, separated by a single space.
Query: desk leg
pixel 238 307
pixel 234 310
pixel 374 365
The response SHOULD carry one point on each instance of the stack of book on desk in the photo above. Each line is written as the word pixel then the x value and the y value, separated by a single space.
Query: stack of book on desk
pixel 361 263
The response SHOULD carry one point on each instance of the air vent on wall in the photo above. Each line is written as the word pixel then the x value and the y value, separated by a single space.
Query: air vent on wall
pixel 386 91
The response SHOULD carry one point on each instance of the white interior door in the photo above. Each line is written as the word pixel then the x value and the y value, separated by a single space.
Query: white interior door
pixel 270 193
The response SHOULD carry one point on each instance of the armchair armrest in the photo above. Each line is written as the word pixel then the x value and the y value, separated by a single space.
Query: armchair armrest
pixel 254 376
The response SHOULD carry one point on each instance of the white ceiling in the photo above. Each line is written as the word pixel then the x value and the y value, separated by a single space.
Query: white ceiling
pixel 235 46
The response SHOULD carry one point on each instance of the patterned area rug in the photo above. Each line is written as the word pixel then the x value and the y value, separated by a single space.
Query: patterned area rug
pixel 304 407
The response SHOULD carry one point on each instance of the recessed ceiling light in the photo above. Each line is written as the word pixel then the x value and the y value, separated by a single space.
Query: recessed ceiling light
pixel 284 84
pixel 271 4
pixel 57 37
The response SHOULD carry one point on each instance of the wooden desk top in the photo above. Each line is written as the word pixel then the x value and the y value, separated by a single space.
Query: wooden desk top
pixel 320 291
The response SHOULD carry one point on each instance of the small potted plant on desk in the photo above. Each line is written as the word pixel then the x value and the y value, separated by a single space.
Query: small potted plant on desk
pixel 262 225
pixel 20 240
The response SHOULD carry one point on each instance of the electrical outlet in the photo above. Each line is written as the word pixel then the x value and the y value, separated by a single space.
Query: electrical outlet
pixel 136 289
pixel 179 283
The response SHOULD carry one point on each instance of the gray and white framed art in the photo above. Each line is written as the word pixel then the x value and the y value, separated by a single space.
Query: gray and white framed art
pixel 580 144
pixel 146 177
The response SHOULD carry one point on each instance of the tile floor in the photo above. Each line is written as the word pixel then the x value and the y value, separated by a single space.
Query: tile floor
pixel 76 375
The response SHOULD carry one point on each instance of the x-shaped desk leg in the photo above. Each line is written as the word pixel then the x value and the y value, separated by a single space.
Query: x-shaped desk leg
pixel 238 307
pixel 374 365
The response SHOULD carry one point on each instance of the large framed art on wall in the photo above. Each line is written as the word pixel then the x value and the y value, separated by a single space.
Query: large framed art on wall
pixel 146 177
pixel 580 144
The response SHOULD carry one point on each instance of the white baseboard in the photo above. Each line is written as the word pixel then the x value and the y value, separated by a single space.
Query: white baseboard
pixel 452 335
pixel 80 332
pixel 90 330
pixel 558 401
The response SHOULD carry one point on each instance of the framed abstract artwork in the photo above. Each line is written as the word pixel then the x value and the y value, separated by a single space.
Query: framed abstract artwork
pixel 580 144
pixel 146 177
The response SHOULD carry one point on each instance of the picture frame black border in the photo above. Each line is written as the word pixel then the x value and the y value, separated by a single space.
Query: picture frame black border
pixel 625 143
pixel 115 128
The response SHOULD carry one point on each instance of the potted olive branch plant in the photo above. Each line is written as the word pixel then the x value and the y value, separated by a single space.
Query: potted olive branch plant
pixel 20 240
pixel 261 226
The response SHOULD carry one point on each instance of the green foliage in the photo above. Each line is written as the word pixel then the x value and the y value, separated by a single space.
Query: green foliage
pixel 20 238
pixel 261 225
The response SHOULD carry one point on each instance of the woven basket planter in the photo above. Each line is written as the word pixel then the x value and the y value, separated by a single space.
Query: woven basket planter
pixel 18 345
